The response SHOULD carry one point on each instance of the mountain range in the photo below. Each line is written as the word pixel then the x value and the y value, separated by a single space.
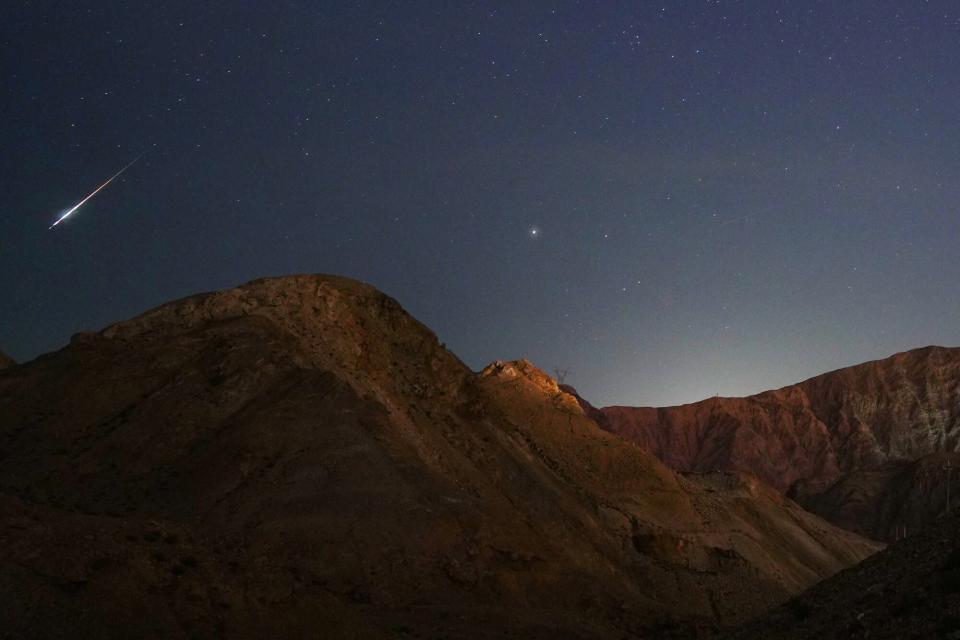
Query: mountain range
pixel 300 454
pixel 867 447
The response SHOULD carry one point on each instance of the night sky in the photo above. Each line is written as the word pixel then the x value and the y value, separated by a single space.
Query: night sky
pixel 672 200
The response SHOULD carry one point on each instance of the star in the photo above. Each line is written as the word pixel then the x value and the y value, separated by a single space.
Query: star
pixel 534 232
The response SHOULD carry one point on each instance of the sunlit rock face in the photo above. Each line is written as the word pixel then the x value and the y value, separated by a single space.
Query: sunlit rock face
pixel 805 438
pixel 299 454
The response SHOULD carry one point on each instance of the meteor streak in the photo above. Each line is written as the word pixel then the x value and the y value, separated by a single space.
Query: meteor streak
pixel 97 190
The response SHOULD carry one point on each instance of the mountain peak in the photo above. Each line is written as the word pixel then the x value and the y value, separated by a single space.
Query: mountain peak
pixel 299 299
pixel 535 377
pixel 316 321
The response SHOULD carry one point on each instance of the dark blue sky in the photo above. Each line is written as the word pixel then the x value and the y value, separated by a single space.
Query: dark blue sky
pixel 730 196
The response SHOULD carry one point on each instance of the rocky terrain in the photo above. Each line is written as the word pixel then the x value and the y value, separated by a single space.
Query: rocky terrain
pixel 909 591
pixel 848 444
pixel 892 499
pixel 6 361
pixel 299 454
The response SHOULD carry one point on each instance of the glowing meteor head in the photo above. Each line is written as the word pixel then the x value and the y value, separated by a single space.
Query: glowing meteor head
pixel 95 192
pixel 63 216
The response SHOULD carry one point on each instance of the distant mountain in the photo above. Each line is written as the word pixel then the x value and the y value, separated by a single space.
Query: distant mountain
pixel 873 421
pixel 6 361
pixel 909 591
pixel 299 457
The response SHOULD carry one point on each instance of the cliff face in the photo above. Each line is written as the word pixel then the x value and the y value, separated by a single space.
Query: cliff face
pixel 776 438
pixel 300 454
pixel 804 438
pixel 891 500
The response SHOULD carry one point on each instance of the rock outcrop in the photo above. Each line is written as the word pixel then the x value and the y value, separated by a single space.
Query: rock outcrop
pixel 299 454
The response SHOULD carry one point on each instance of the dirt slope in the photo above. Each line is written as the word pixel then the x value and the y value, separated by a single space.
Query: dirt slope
pixel 299 452
pixel 910 590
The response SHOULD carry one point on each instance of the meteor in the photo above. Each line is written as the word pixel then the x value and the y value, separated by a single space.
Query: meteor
pixel 97 190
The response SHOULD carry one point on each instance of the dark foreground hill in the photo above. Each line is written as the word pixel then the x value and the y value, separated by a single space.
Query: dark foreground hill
pixel 864 446
pixel 298 457
pixel 909 591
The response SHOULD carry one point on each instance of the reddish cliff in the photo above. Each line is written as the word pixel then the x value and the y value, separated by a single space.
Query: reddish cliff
pixel 804 438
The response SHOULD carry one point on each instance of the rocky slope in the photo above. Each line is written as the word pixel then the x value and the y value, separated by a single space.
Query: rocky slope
pixel 300 454
pixel 892 499
pixel 6 361
pixel 909 591
pixel 803 439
